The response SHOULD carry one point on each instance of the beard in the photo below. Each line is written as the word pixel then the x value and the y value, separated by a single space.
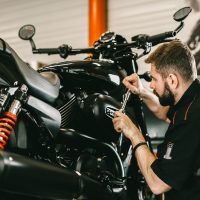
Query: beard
pixel 167 98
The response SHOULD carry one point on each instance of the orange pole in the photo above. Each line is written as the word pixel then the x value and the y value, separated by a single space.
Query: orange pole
pixel 97 19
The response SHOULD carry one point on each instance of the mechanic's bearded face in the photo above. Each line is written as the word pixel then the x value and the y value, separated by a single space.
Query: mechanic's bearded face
pixel 167 98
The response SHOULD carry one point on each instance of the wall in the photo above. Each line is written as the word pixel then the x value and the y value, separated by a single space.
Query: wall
pixel 66 21
pixel 56 22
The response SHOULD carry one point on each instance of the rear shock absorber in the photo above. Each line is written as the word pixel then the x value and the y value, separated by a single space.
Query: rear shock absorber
pixel 7 122
pixel 9 118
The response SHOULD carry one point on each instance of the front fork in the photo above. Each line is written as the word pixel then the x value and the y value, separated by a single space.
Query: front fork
pixel 10 112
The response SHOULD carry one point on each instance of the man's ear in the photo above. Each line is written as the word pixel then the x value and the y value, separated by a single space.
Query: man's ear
pixel 172 81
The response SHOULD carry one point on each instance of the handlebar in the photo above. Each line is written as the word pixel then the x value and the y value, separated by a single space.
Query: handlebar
pixel 161 36
pixel 63 51
pixel 140 41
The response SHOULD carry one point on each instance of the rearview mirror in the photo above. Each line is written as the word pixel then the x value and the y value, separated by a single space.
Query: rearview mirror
pixel 27 32
pixel 181 14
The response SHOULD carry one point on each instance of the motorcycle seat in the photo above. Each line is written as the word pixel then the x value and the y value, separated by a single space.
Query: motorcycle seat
pixel 13 68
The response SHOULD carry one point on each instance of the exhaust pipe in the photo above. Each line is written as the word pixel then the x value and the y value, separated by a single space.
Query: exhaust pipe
pixel 25 176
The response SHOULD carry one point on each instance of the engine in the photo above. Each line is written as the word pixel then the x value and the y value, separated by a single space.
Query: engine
pixel 91 115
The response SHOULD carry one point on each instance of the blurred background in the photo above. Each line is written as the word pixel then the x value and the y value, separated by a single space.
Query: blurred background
pixel 66 22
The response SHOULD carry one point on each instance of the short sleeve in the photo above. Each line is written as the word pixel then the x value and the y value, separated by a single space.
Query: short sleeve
pixel 181 152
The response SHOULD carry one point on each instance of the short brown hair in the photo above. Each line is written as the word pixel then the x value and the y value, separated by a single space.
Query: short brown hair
pixel 174 56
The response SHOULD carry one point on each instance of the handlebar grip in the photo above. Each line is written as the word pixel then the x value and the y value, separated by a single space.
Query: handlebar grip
pixel 80 51
pixel 63 51
pixel 47 50
pixel 161 36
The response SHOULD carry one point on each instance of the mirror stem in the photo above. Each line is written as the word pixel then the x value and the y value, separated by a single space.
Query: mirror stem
pixel 179 28
pixel 32 44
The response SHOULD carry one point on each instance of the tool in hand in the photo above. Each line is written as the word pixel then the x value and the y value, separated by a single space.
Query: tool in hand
pixel 122 109
pixel 125 100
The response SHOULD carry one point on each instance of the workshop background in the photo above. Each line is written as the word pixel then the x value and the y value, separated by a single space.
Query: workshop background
pixel 66 22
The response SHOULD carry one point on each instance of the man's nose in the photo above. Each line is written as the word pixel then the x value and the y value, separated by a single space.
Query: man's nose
pixel 152 85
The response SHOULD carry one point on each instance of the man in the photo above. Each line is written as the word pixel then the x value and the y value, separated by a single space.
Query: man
pixel 175 171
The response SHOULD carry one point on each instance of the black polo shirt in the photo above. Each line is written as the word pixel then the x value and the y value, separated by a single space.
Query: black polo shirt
pixel 179 155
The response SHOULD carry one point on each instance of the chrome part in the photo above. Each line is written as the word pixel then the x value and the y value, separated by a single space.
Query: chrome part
pixel 15 107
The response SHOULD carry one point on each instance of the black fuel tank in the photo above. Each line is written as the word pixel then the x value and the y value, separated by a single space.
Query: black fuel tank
pixel 89 73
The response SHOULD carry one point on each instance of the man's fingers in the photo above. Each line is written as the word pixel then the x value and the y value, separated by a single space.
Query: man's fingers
pixel 118 114
pixel 116 123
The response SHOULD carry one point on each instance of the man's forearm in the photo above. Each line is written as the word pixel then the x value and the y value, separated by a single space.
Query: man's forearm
pixel 145 158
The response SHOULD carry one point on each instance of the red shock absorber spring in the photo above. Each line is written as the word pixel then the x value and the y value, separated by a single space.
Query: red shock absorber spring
pixel 7 123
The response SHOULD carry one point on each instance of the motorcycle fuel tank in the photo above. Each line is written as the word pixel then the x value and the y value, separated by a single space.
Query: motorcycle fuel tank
pixel 88 73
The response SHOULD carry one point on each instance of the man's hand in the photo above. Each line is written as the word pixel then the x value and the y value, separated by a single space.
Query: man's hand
pixel 122 123
pixel 134 84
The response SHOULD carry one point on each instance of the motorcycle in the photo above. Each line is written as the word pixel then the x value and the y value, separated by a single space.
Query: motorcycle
pixel 57 140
